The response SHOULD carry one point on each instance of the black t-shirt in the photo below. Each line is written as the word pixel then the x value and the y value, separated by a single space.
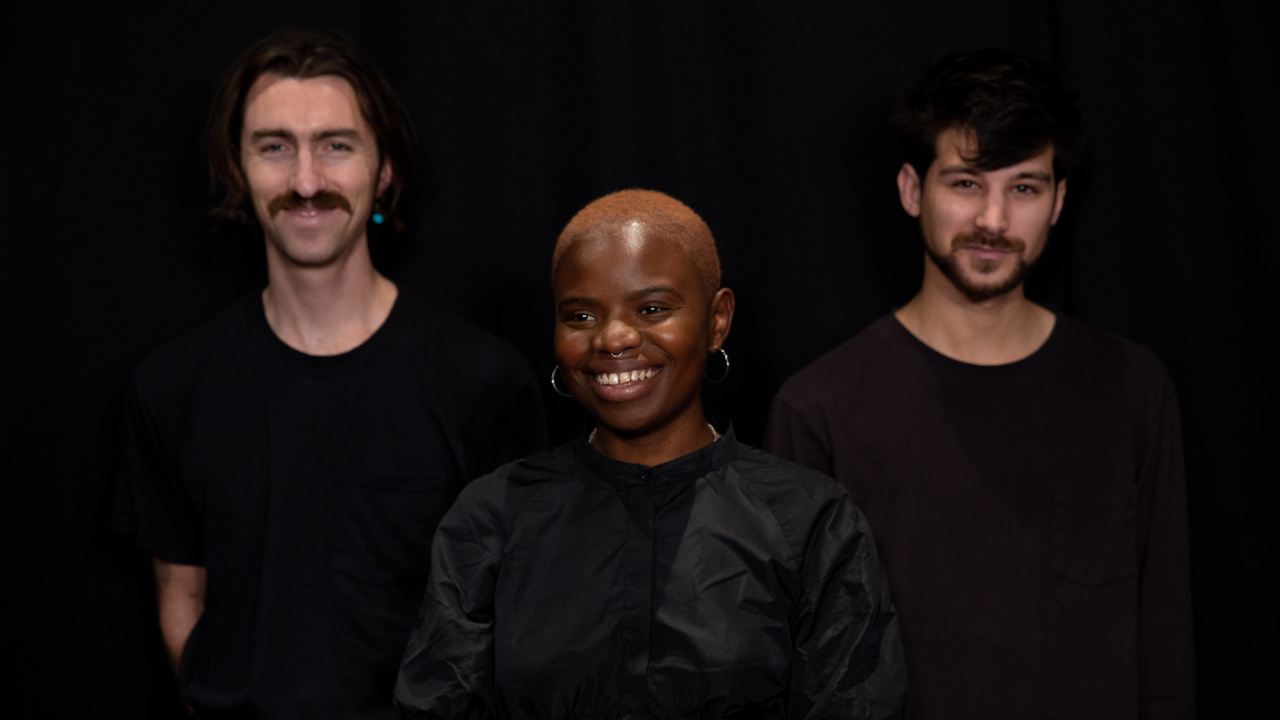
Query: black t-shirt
pixel 309 487
pixel 725 583
pixel 1031 517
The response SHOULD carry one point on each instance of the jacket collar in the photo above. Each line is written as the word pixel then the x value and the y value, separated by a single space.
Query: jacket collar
pixel 682 469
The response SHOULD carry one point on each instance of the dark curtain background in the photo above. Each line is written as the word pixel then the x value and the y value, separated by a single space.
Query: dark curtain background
pixel 767 118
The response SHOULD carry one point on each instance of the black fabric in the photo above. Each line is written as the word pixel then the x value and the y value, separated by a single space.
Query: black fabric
pixel 310 487
pixel 726 583
pixel 1031 517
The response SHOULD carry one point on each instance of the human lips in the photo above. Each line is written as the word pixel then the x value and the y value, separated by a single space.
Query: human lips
pixel 625 385
pixel 308 211
pixel 986 252
pixel 625 377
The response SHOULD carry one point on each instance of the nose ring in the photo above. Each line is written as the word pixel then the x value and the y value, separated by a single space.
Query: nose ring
pixel 616 355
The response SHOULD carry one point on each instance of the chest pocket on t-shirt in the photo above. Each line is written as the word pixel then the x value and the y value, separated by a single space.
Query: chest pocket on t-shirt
pixel 1094 533
pixel 384 524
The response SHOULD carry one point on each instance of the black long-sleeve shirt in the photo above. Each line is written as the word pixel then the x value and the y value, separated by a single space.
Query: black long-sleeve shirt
pixel 1031 517
pixel 726 583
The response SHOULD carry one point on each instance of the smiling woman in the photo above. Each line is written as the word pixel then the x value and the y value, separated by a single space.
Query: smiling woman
pixel 636 317
pixel 656 566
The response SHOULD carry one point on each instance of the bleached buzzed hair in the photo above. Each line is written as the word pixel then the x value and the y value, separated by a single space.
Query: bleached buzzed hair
pixel 662 216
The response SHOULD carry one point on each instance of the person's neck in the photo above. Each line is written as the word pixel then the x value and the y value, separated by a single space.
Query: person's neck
pixel 687 434
pixel 326 310
pixel 996 331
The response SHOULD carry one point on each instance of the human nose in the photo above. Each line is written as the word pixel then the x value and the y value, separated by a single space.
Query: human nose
pixel 993 218
pixel 307 179
pixel 616 337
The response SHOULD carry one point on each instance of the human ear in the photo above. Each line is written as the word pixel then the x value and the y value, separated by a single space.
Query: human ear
pixel 385 175
pixel 909 189
pixel 722 304
pixel 1060 193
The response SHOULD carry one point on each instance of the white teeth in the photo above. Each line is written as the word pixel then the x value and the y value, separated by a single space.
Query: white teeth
pixel 625 377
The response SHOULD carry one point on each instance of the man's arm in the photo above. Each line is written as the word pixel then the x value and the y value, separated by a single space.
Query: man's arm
pixel 1165 648
pixel 180 598
pixel 517 428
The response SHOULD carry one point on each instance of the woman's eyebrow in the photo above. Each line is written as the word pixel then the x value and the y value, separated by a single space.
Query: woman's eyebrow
pixel 577 301
pixel 654 289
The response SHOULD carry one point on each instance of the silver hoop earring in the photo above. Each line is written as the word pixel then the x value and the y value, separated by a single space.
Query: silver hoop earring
pixel 555 387
pixel 724 374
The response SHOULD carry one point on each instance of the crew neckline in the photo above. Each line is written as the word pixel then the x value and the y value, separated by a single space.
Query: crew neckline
pixel 320 365
pixel 1032 365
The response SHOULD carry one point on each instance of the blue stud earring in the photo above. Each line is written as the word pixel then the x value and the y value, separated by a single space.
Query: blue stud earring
pixel 377 217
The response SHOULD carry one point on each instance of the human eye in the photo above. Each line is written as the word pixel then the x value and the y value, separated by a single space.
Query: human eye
pixel 964 184
pixel 577 317
pixel 655 311
pixel 1025 189
pixel 339 146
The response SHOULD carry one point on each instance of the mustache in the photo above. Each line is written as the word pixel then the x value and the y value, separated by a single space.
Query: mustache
pixel 998 242
pixel 323 200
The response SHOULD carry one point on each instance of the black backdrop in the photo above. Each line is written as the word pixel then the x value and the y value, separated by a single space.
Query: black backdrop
pixel 767 118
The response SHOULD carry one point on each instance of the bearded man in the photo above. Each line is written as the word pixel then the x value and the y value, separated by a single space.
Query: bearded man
pixel 1022 471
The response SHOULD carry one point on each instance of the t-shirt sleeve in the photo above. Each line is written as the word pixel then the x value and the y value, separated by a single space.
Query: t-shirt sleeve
pixel 791 435
pixel 848 660
pixel 1166 656
pixel 151 503
pixel 447 670
pixel 517 427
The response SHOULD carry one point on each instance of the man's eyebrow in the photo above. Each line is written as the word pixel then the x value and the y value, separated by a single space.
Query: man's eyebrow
pixel 654 289
pixel 970 170
pixel 1041 176
pixel 337 133
pixel 322 135
pixel 271 133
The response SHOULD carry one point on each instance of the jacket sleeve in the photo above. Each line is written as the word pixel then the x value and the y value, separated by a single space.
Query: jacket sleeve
pixel 1165 653
pixel 447 671
pixel 791 436
pixel 848 660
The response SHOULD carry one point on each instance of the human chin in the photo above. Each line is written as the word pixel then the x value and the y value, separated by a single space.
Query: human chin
pixel 630 406
pixel 310 247
pixel 980 279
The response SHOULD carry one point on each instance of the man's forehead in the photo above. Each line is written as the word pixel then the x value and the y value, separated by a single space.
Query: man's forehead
pixel 320 99
pixel 957 149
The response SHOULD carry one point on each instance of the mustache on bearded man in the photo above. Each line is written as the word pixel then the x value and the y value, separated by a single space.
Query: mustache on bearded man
pixel 996 242
pixel 323 200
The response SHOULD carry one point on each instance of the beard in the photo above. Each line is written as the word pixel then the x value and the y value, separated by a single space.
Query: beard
pixel 974 290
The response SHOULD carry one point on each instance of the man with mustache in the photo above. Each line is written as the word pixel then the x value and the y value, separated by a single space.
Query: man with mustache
pixel 286 463
pixel 1022 471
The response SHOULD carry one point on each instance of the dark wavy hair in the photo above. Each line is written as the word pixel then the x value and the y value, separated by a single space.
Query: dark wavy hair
pixel 304 54
pixel 1015 106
